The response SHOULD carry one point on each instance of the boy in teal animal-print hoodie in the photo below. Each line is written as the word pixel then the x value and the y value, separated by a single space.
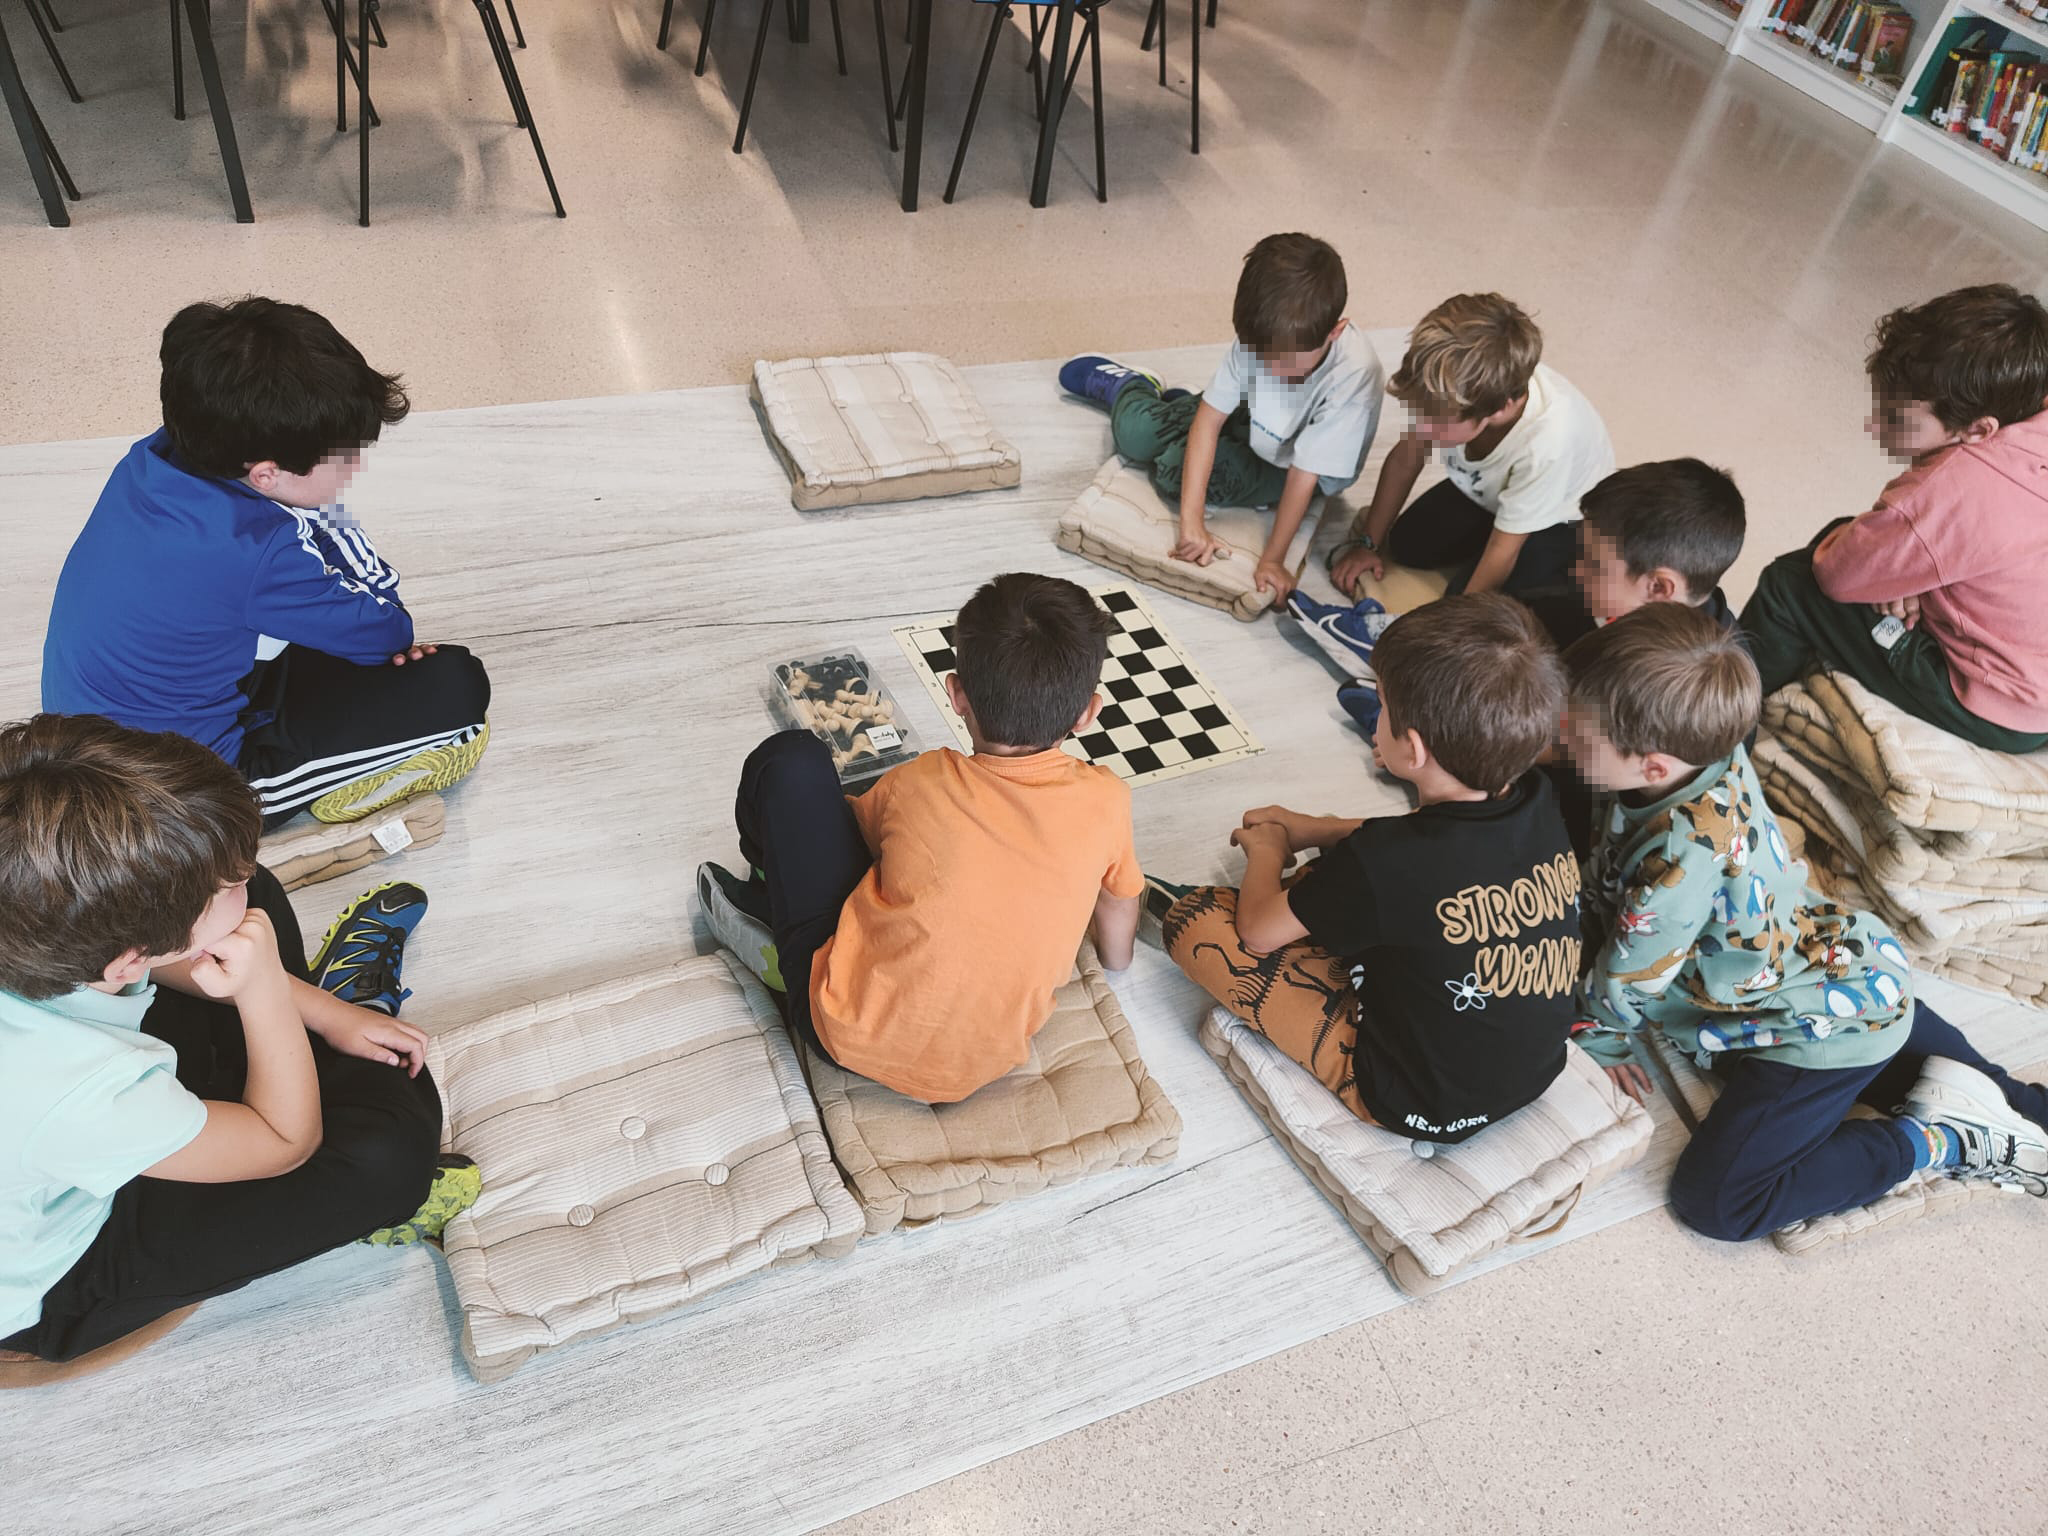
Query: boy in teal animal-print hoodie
pixel 1701 924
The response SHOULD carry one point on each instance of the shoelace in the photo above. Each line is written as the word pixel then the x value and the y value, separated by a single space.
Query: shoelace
pixel 381 947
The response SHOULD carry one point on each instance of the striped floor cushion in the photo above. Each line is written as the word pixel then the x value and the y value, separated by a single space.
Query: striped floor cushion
pixel 1082 1104
pixel 890 426
pixel 642 1142
pixel 308 851
pixel 1429 1217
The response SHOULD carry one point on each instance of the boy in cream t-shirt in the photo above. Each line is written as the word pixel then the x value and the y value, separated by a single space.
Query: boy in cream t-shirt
pixel 1522 445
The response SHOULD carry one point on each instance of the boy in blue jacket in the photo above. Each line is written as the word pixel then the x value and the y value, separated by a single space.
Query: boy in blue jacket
pixel 219 591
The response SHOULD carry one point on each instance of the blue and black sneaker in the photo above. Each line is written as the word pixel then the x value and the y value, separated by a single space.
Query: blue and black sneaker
pixel 359 958
pixel 1361 701
pixel 1100 379
pixel 1345 634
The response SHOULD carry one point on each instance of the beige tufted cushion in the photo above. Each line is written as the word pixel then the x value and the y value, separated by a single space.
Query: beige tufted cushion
pixel 890 426
pixel 309 852
pixel 642 1142
pixel 1427 1218
pixel 1083 1103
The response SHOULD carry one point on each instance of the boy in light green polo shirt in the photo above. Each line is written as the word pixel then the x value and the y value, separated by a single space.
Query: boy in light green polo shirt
pixel 181 1109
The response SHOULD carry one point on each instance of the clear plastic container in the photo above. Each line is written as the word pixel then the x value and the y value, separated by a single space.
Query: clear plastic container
pixel 840 699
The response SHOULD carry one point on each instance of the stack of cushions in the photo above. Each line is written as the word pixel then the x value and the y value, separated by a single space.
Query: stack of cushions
pixel 1428 1218
pixel 891 426
pixel 1925 1191
pixel 642 1142
pixel 1947 842
pixel 1082 1104
pixel 306 854
pixel 1121 522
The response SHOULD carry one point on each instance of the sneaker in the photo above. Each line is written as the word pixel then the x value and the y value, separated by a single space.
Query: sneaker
pixel 1099 379
pixel 1154 902
pixel 1360 699
pixel 1999 1143
pixel 429 769
pixel 1345 635
pixel 360 955
pixel 457 1183
pixel 732 910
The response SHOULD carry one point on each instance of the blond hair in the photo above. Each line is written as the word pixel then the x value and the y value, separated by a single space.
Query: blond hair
pixel 1667 678
pixel 1467 358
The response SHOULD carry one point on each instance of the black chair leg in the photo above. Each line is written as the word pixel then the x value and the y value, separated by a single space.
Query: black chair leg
pixel 704 35
pixel 668 12
pixel 363 9
pixel 34 144
pixel 1039 18
pixel 217 103
pixel 177 61
pixel 1151 26
pixel 1095 68
pixel 903 90
pixel 739 139
pixel 50 47
pixel 888 91
pixel 49 148
pixel 1195 80
pixel 512 15
pixel 522 109
pixel 377 31
pixel 345 67
pixel 789 12
pixel 1159 11
pixel 838 38
pixel 988 59
pixel 50 12
pixel 1212 13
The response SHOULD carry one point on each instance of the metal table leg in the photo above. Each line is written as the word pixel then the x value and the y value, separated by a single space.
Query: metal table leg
pixel 32 149
pixel 217 100
pixel 1055 107
pixel 920 55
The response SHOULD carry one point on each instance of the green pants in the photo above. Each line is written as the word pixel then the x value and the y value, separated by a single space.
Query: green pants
pixel 1154 432
pixel 1793 627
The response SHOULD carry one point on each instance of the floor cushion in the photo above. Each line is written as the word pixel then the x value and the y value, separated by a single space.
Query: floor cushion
pixel 1925 1191
pixel 1082 1104
pixel 1429 1217
pixel 1122 522
pixel 890 426
pixel 306 854
pixel 642 1142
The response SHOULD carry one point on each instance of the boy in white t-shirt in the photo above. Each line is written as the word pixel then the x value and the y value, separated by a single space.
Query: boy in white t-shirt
pixel 1521 447
pixel 1290 413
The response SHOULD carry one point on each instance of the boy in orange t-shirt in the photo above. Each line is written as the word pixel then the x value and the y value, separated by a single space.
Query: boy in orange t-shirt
pixel 921 929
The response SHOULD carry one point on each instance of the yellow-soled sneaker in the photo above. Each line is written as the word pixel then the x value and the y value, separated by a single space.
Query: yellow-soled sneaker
pixel 457 1183
pixel 430 769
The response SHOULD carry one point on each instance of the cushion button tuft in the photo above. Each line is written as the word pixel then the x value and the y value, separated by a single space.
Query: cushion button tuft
pixel 632 1127
pixel 717 1173
pixel 581 1215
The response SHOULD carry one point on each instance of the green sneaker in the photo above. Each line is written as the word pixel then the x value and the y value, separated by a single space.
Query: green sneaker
pixel 457 1183
pixel 728 901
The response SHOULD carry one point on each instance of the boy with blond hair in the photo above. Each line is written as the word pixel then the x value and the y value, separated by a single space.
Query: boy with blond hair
pixel 182 1108
pixel 919 931
pixel 1707 930
pixel 1290 414
pixel 1932 598
pixel 1423 967
pixel 1521 446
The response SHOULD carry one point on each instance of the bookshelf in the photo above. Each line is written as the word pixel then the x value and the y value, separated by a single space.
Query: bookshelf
pixel 1886 111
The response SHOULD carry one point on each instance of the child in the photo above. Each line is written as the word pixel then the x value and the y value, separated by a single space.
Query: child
pixel 1707 930
pixel 1521 447
pixel 1423 967
pixel 219 591
pixel 1933 598
pixel 181 1109
pixel 1291 411
pixel 921 930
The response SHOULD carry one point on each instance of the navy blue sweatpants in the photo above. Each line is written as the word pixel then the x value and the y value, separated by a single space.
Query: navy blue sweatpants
pixel 1776 1148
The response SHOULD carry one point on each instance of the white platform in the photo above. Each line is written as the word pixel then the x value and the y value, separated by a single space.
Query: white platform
pixel 628 567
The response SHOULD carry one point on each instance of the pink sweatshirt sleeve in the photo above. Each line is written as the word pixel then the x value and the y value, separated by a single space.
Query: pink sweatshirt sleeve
pixel 1880 556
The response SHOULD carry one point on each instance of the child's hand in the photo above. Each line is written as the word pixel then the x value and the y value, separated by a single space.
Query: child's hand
pixel 1905 609
pixel 1265 837
pixel 1632 1080
pixel 1199 547
pixel 1277 816
pixel 1274 578
pixel 416 653
pixel 241 966
pixel 370 1035
pixel 1355 567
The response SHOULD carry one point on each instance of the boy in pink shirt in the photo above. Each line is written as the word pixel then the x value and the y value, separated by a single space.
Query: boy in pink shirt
pixel 1934 598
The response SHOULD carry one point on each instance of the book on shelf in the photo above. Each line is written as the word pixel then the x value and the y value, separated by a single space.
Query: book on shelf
pixel 2034 10
pixel 1978 86
pixel 1869 38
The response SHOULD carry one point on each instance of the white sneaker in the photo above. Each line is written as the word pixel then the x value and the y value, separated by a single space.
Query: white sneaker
pixel 1999 1143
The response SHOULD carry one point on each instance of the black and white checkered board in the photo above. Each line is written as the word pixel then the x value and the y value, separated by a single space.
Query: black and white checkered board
pixel 1160 718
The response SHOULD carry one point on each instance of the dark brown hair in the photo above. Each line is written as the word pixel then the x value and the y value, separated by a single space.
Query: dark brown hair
pixel 1676 514
pixel 1667 678
pixel 1290 295
pixel 1971 353
pixel 110 840
pixel 255 379
pixel 1028 650
pixel 1467 358
pixel 1477 678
